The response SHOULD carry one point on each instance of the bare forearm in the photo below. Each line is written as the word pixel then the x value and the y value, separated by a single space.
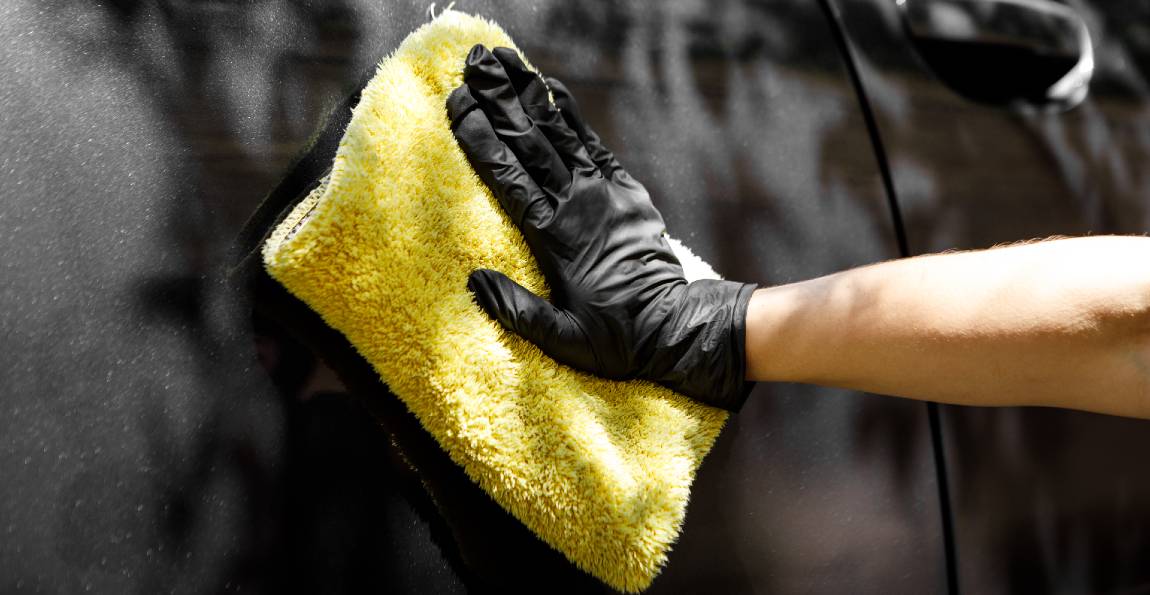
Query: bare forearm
pixel 1063 323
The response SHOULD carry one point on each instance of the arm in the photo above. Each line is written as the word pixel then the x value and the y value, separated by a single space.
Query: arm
pixel 1064 323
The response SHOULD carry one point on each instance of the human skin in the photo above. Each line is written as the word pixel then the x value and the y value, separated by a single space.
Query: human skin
pixel 1062 323
pixel 1059 323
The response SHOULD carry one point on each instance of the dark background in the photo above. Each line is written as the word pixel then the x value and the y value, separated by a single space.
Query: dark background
pixel 155 437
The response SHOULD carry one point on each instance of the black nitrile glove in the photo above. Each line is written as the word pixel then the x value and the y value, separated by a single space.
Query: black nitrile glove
pixel 620 307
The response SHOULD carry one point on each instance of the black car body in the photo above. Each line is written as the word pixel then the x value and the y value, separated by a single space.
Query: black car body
pixel 153 438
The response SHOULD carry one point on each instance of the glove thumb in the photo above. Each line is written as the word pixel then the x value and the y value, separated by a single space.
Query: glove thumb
pixel 531 317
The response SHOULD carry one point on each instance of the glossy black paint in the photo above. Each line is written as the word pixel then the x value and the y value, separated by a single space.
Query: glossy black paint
pixel 741 121
pixel 1002 51
pixel 1044 501
pixel 147 444
pixel 751 527
pixel 143 448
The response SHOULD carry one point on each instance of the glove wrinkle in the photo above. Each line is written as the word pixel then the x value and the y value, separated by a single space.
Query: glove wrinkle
pixel 493 89
pixel 621 306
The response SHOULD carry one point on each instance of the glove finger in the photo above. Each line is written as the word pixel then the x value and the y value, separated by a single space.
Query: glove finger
pixel 603 158
pixel 492 88
pixel 526 203
pixel 537 104
pixel 532 317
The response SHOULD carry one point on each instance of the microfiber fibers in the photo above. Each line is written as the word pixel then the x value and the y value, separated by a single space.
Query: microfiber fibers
pixel 601 470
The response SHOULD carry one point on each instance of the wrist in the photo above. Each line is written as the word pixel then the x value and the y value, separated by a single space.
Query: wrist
pixel 774 337
pixel 700 348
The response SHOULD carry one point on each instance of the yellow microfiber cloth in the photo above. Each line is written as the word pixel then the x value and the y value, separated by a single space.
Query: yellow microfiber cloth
pixel 601 470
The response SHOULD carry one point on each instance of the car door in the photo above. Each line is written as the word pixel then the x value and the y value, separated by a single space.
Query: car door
pixel 741 120
pixel 1042 500
pixel 146 448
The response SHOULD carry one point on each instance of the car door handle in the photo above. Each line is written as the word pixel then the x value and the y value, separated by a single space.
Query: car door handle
pixel 1004 51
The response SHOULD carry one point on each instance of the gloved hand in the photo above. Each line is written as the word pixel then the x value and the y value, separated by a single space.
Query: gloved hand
pixel 620 306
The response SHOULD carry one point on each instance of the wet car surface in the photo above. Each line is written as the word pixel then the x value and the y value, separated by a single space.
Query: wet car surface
pixel 155 437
